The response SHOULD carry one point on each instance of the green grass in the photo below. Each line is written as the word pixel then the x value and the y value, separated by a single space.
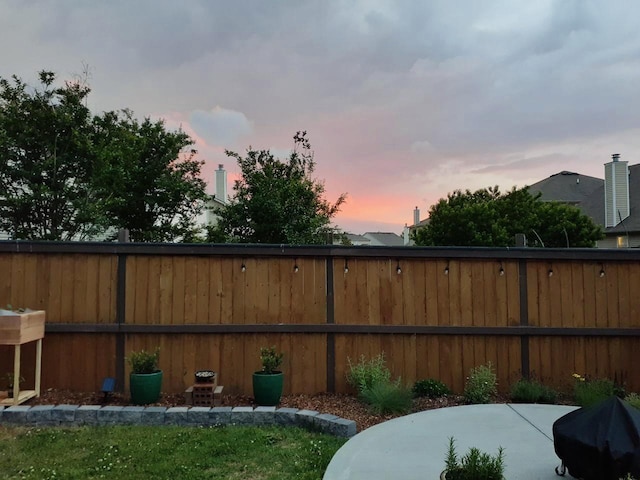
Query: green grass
pixel 120 452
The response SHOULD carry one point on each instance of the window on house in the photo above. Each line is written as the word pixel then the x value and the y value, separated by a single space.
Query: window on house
pixel 622 241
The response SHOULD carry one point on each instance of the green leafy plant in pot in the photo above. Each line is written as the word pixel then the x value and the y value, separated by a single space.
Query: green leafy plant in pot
pixel 475 465
pixel 145 380
pixel 268 382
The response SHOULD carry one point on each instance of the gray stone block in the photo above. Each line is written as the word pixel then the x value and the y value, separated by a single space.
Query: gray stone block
pixel 199 415
pixel 324 421
pixel 304 418
pixel 153 416
pixel 109 415
pixel 176 416
pixel 220 416
pixel 342 427
pixel 242 416
pixel 264 415
pixel 64 413
pixel 131 415
pixel 1 410
pixel 87 414
pixel 15 414
pixel 286 416
pixel 41 415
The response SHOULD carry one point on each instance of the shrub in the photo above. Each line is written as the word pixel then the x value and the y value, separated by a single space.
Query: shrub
pixel 589 392
pixel 430 388
pixel 481 384
pixel 387 397
pixel 366 373
pixel 271 360
pixel 633 399
pixel 532 391
pixel 475 465
pixel 144 362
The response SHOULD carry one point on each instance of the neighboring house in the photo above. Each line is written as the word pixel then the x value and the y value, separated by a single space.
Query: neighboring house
pixel 409 230
pixel 613 203
pixel 353 239
pixel 218 200
pixel 386 239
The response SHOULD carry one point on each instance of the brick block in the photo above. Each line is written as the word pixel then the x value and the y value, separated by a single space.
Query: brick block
pixel 198 415
pixel 176 416
pixel 220 416
pixel 64 413
pixel 87 414
pixel 109 415
pixel 286 416
pixel 153 416
pixel 15 415
pixel 242 416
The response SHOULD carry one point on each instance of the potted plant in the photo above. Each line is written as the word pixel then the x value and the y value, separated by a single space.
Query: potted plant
pixel 268 382
pixel 145 380
pixel 475 465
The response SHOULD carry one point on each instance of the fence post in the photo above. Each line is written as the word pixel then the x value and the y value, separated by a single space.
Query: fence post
pixel 121 297
pixel 331 345
pixel 524 318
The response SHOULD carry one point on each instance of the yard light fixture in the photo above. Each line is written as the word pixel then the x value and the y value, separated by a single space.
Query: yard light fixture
pixel 446 269
pixel 501 271
pixel 295 267
pixel 243 267
pixel 602 272
pixel 551 272
pixel 346 266
pixel 398 269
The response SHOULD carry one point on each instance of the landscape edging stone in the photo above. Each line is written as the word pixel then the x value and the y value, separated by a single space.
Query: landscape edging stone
pixel 183 416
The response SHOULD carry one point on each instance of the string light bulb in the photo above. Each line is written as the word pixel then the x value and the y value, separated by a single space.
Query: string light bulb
pixel 243 268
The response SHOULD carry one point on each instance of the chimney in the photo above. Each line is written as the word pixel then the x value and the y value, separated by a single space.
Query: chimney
pixel 221 184
pixel 616 191
pixel 416 216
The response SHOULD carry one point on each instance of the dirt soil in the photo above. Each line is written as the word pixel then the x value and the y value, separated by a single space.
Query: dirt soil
pixel 345 406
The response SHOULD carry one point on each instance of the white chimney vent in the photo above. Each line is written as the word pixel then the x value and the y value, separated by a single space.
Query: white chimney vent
pixel 616 191
pixel 221 184
pixel 416 216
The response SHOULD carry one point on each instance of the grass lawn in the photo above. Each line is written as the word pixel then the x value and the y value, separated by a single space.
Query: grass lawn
pixel 136 452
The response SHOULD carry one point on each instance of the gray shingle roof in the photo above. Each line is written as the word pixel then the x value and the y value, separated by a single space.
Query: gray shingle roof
pixel 588 196
pixel 385 238
pixel 567 187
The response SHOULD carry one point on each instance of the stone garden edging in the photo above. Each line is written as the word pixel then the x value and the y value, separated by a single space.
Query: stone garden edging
pixel 77 415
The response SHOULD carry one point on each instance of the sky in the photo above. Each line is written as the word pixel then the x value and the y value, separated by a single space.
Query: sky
pixel 403 101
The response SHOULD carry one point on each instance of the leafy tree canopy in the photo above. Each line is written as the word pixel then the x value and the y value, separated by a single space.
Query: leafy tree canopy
pixel 277 201
pixel 66 174
pixel 487 217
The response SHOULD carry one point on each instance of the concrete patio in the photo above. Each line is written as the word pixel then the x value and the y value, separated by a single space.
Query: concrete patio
pixel 414 447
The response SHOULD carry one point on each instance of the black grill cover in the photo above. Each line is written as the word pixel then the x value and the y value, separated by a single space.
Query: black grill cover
pixel 600 442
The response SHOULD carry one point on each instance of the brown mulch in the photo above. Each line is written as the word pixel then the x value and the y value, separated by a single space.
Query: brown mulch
pixel 342 405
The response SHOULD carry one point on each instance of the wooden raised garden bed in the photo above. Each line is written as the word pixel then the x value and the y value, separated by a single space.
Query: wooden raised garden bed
pixel 18 328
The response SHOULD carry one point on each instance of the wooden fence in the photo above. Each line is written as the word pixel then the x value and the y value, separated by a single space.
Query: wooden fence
pixel 434 312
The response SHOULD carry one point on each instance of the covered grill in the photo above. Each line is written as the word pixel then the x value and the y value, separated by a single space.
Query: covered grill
pixel 600 442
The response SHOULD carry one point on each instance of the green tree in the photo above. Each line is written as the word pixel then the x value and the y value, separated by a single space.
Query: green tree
pixel 487 217
pixel 277 201
pixel 148 178
pixel 66 174
pixel 46 162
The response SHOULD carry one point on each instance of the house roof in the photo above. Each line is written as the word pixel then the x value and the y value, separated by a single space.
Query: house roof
pixel 588 196
pixel 385 238
pixel 567 187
